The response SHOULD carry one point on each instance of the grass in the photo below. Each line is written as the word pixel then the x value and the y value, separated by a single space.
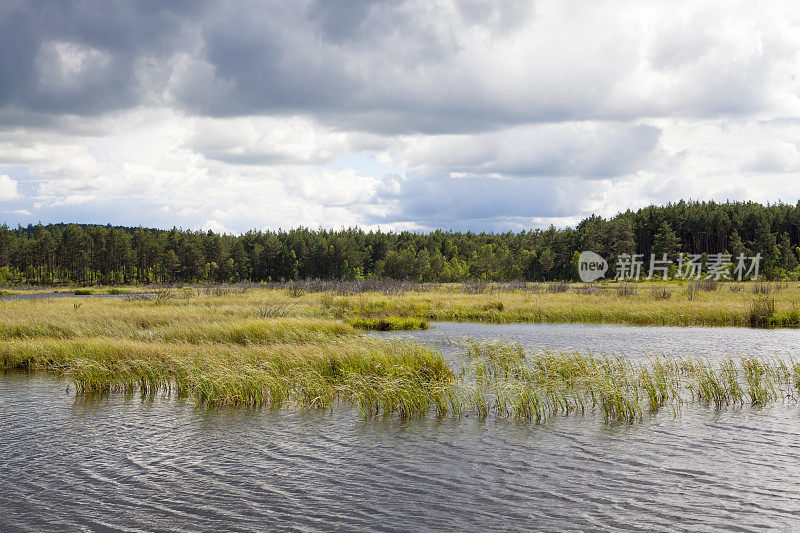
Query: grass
pixel 388 323
pixel 220 349
pixel 703 303
pixel 377 376
pixel 539 385
pixel 265 347
pixel 656 303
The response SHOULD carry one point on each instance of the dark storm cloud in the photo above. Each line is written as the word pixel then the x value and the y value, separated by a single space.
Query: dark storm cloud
pixel 382 66
pixel 82 57
pixel 351 64
pixel 346 61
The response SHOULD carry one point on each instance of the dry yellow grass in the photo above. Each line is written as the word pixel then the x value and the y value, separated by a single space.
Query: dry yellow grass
pixel 681 304
pixel 265 346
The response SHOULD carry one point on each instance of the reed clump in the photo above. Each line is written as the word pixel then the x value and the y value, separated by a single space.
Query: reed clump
pixel 762 288
pixel 707 284
pixel 537 386
pixel 626 290
pixel 558 287
pixel 586 288
pixel 378 377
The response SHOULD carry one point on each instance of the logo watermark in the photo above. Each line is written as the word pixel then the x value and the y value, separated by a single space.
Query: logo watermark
pixel 632 267
pixel 591 266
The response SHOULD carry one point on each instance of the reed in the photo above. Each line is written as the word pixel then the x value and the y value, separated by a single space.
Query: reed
pixel 395 377
pixel 640 304
pixel 626 290
pixel 661 293
pixel 558 287
pixel 539 385
pixel 221 349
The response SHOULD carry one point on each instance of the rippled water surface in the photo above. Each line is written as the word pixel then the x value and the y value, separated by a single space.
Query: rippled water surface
pixel 631 341
pixel 117 463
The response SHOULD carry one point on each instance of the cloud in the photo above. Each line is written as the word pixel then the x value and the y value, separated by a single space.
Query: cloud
pixel 84 58
pixel 779 157
pixel 401 67
pixel 9 189
pixel 268 140
pixel 413 114
pixel 589 150
pixel 216 227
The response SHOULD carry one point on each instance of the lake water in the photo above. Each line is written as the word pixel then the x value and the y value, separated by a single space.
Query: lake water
pixel 631 341
pixel 51 295
pixel 123 464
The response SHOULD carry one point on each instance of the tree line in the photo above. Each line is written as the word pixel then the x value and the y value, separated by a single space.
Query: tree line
pixel 85 254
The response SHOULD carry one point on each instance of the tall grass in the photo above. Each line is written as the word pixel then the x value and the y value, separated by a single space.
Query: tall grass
pixel 540 385
pixel 407 379
pixel 377 376
pixel 388 324
pixel 221 349
pixel 661 293
pixel 657 303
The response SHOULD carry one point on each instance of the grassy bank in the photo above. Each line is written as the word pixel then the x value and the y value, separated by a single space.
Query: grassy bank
pixel 673 304
pixel 379 377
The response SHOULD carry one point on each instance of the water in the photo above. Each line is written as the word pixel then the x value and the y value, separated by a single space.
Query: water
pixel 631 341
pixel 123 464
pixel 50 295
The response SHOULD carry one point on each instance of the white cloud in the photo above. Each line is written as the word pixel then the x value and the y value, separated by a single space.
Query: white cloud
pixel 216 227
pixel 9 190
pixel 778 156
pixel 268 140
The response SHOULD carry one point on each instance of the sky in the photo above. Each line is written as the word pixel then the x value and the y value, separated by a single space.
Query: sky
pixel 463 115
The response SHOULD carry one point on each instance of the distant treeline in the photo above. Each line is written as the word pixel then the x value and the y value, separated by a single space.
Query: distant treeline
pixel 73 253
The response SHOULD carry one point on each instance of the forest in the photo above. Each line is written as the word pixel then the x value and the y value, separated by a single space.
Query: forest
pixel 94 254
